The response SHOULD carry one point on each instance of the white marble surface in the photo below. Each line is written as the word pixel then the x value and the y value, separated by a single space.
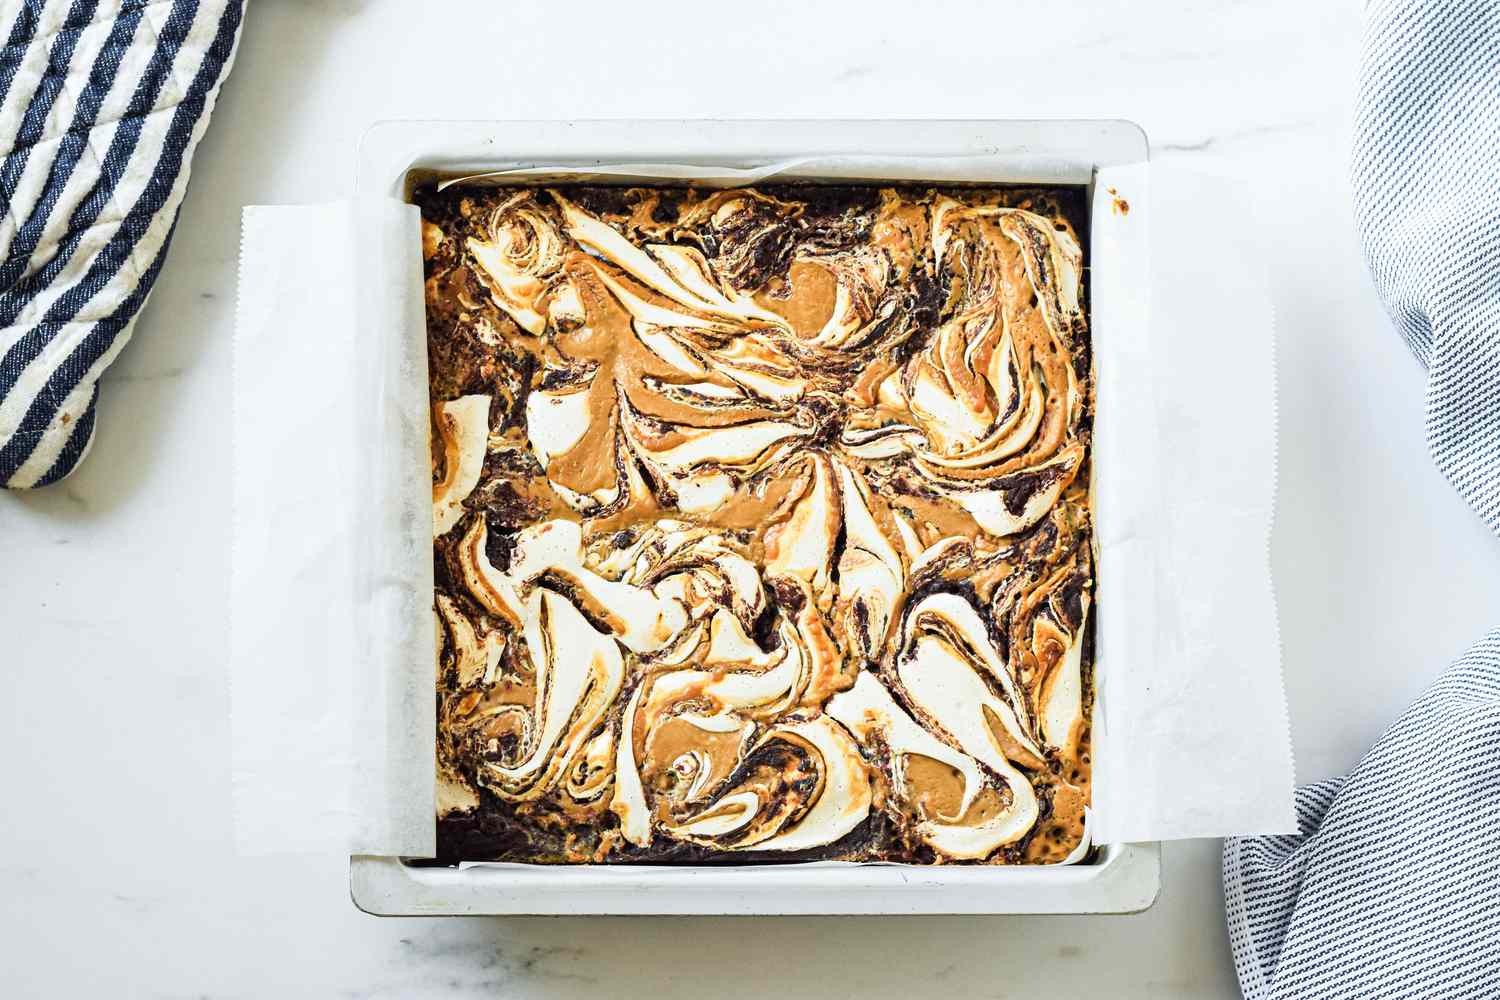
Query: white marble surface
pixel 116 876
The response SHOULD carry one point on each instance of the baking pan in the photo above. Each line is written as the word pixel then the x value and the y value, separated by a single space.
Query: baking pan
pixel 395 156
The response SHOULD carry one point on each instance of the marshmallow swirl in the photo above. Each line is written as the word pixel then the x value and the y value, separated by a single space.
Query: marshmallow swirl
pixel 761 523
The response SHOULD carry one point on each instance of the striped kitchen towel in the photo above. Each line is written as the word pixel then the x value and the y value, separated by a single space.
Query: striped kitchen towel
pixel 101 105
pixel 1392 886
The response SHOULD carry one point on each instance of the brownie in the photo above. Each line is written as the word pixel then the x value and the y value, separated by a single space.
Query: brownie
pixel 761 523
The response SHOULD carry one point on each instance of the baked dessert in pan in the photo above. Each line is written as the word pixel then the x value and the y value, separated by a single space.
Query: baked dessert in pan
pixel 761 523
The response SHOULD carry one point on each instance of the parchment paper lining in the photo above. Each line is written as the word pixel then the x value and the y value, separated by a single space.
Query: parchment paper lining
pixel 1191 735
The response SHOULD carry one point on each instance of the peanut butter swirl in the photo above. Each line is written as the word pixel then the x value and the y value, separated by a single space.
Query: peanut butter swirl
pixel 761 523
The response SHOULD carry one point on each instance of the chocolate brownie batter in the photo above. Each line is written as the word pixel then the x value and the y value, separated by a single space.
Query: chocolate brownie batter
pixel 761 523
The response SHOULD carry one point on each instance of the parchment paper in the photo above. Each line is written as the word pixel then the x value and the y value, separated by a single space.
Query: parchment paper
pixel 1193 736
pixel 331 631
pixel 333 641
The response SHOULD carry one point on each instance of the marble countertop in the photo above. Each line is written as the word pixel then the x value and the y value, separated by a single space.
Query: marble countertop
pixel 116 867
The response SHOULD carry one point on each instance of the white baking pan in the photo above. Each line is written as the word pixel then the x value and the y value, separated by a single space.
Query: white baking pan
pixel 1119 877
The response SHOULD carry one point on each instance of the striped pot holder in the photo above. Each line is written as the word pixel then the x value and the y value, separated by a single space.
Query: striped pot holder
pixel 101 105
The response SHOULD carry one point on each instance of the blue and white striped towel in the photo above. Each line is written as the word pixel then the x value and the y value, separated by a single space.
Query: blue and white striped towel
pixel 1392 886
pixel 101 105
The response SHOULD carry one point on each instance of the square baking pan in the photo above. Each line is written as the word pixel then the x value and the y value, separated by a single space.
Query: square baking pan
pixel 395 156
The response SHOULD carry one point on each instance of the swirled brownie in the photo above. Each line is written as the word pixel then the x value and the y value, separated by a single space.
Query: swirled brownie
pixel 761 523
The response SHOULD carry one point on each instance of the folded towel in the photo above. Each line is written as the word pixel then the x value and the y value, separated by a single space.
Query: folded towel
pixel 101 105
pixel 1390 888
